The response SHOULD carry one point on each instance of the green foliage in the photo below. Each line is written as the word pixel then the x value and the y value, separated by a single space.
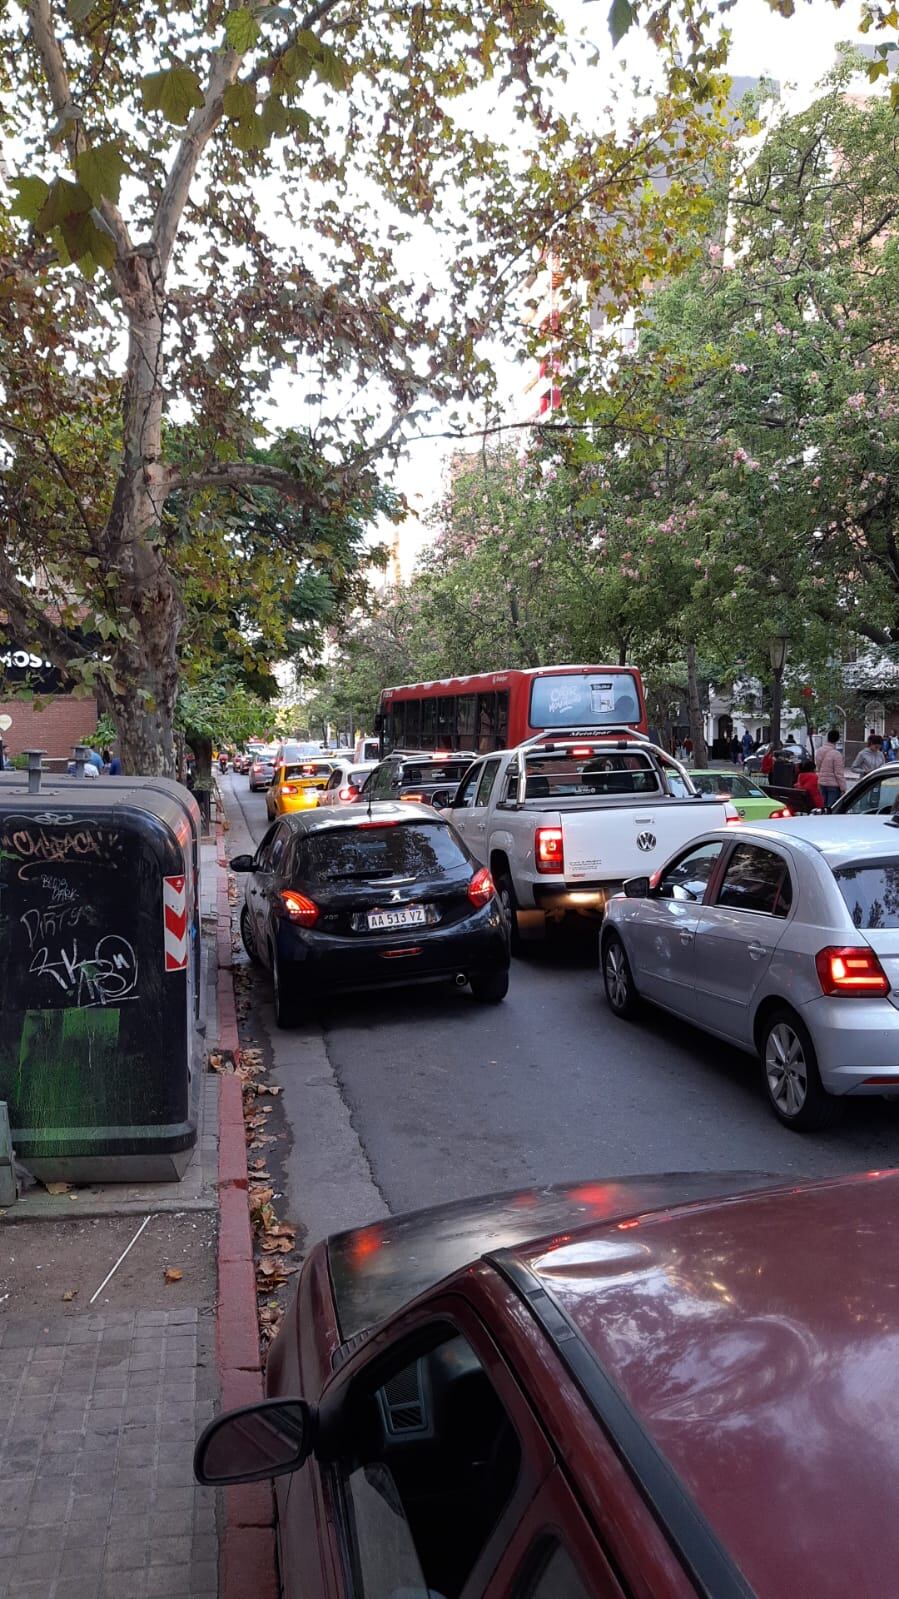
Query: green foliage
pixel 175 91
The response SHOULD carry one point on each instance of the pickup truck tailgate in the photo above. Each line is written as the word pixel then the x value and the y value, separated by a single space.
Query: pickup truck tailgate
pixel 607 844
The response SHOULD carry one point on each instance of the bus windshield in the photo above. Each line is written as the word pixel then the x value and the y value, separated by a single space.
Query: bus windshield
pixel 584 699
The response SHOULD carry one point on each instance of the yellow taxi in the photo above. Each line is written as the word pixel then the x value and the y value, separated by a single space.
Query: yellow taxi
pixel 297 785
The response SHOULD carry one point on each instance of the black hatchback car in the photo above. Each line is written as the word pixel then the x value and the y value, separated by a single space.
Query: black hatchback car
pixel 432 779
pixel 368 897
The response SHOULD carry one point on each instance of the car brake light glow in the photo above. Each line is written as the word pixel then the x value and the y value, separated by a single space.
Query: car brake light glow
pixel 346 793
pixel 581 749
pixel 392 822
pixel 302 911
pixel 482 888
pixel 549 849
pixel 778 816
pixel 851 970
pixel 732 820
pixel 415 799
pixel 289 788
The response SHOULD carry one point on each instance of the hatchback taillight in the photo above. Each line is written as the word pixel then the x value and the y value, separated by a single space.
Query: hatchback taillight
pixel 482 888
pixel 289 788
pixel 851 970
pixel 549 849
pixel 300 910
pixel 346 793
pixel 778 816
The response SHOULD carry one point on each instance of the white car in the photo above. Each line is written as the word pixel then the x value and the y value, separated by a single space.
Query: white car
pixel 783 939
pixel 346 780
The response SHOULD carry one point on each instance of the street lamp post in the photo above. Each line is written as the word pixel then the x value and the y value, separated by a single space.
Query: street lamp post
pixel 777 650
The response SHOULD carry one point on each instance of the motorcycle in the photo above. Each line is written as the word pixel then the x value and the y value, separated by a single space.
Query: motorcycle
pixel 223 763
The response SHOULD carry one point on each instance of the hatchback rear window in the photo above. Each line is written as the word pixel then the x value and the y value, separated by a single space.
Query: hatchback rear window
pixel 435 772
pixel 309 769
pixel 426 849
pixel 871 892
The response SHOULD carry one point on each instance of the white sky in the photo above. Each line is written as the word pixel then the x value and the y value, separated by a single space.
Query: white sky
pixel 796 51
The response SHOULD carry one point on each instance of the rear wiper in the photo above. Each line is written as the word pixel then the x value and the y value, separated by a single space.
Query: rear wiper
pixel 338 877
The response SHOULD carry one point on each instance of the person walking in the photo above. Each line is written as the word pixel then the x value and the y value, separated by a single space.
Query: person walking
pixel 747 744
pixel 870 758
pixel 808 782
pixel 735 751
pixel 831 772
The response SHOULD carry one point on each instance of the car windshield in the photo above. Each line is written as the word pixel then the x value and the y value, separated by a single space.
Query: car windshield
pixel 390 849
pixel 566 775
pixel 727 783
pixel 871 891
pixel 435 771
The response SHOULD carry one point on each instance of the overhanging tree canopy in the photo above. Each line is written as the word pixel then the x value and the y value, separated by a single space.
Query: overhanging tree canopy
pixel 205 196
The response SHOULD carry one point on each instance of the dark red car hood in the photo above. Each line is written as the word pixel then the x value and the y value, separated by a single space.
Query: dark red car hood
pixel 375 1270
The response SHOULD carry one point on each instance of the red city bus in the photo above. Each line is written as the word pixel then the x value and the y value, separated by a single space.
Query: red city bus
pixel 497 710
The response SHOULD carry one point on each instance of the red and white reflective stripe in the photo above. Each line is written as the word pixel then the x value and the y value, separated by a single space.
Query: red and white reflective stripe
pixel 174 917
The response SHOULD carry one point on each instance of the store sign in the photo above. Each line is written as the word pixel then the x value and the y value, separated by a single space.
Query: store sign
pixel 29 669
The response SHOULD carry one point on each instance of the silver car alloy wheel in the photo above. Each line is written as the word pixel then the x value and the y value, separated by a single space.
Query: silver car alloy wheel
pixel 616 976
pixel 786 1069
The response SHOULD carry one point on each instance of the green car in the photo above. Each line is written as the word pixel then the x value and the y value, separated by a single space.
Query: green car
pixel 751 801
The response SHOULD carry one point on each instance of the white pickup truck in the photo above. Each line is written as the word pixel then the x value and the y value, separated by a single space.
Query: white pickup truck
pixel 563 820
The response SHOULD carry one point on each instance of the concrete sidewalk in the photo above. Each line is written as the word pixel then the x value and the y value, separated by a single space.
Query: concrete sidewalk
pixel 100 1405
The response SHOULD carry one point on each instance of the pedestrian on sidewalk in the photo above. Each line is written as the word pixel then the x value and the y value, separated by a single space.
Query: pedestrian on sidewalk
pixel 808 782
pixel 747 744
pixel 869 759
pixel 831 772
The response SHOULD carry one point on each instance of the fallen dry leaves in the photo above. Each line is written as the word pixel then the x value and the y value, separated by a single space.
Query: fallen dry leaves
pixel 172 1274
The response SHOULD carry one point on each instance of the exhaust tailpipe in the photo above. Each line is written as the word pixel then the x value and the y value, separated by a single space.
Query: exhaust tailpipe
pixel 460 980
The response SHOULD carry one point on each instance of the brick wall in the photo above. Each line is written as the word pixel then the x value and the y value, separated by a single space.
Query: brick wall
pixel 64 721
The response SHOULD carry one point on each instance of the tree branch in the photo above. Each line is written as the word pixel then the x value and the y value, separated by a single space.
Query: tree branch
pixel 71 124
pixel 241 474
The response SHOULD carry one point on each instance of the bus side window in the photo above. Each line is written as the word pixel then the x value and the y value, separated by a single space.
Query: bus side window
pixel 465 727
pixel 429 724
pixel 486 723
pixel 446 723
pixel 502 720
pixel 412 734
pixel 399 724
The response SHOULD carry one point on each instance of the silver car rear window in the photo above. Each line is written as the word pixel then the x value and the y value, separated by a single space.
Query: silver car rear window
pixel 871 891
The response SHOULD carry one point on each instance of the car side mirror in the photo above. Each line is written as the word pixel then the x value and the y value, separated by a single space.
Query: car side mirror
pixel 268 1439
pixel 242 863
pixel 637 887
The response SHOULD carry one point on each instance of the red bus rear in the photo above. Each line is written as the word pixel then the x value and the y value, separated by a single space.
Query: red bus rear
pixel 497 710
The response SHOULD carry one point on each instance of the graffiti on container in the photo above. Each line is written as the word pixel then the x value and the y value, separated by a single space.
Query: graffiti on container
pixel 61 892
pixel 106 976
pixel 42 925
pixel 37 844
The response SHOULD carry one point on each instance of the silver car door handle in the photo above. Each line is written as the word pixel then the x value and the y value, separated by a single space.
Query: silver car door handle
pixel 756 951
pixel 686 937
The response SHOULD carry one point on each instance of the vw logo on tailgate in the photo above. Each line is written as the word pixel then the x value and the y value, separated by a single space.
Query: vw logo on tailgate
pixel 646 841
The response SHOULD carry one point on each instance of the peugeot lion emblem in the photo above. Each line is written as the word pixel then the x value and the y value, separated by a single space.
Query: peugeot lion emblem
pixel 646 841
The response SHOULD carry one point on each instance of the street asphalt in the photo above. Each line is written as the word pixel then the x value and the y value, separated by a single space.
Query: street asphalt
pixel 417 1096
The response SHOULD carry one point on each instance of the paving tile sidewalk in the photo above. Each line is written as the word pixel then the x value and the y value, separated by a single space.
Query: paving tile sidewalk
pixel 99 1411
pixel 98 1417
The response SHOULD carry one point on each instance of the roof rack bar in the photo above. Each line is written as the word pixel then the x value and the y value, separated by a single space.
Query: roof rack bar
pixel 703 1556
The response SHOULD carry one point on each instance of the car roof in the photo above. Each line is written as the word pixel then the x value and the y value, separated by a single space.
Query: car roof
pixel 748 1347
pixel 321 821
pixel 837 838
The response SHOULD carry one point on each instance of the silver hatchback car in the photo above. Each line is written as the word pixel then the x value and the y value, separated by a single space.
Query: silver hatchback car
pixel 782 938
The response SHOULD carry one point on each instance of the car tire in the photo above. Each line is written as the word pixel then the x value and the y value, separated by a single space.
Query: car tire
pixel 287 1000
pixel 790 1075
pixel 505 891
pixel 490 988
pixel 248 937
pixel 617 977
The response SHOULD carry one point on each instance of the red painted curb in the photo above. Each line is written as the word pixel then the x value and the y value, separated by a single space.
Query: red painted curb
pixel 246 1564
pixel 247 1560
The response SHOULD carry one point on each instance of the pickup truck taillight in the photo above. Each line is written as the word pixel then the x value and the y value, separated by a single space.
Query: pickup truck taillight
pixel 549 849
